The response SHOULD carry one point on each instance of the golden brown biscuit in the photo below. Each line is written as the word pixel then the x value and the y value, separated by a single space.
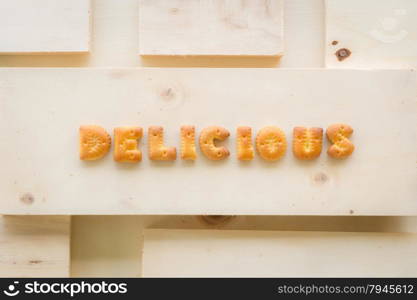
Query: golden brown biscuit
pixel 157 150
pixel 126 144
pixel 307 142
pixel 271 143
pixel 244 143
pixel 188 151
pixel 209 149
pixel 94 142
pixel 338 134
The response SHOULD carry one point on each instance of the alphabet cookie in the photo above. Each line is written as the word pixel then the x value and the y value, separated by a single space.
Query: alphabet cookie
pixel 271 143
pixel 207 145
pixel 188 151
pixel 126 144
pixel 244 143
pixel 94 142
pixel 339 135
pixel 157 149
pixel 307 142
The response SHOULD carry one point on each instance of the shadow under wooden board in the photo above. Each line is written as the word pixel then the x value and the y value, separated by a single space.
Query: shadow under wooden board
pixel 240 253
pixel 42 109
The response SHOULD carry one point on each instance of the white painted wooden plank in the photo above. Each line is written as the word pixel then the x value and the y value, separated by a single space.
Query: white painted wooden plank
pixel 211 27
pixel 41 110
pixel 379 33
pixel 34 246
pixel 38 26
pixel 235 253
pixel 304 34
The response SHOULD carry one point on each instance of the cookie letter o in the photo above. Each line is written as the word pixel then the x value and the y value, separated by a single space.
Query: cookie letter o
pixel 271 143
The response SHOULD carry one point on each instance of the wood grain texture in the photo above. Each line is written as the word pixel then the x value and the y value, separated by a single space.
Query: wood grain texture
pixel 211 27
pixel 380 34
pixel 44 26
pixel 41 110
pixel 239 253
pixel 34 246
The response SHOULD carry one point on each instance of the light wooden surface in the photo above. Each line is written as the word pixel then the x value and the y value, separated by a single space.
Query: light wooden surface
pixel 222 253
pixel 365 184
pixel 211 27
pixel 114 38
pixel 34 246
pixel 58 26
pixel 379 33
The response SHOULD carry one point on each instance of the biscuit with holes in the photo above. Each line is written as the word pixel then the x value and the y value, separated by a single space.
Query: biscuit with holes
pixel 338 135
pixel 126 144
pixel 157 149
pixel 271 143
pixel 188 151
pixel 244 143
pixel 208 147
pixel 94 142
pixel 307 142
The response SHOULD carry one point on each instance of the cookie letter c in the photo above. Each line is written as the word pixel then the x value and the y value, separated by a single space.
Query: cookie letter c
pixel 208 136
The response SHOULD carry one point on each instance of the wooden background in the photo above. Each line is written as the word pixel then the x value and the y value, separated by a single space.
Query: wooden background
pixel 115 44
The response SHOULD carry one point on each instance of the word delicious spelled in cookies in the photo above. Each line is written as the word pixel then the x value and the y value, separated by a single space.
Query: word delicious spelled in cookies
pixel 270 143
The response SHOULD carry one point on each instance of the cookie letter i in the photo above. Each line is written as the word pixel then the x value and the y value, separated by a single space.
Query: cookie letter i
pixel 188 151
pixel 244 143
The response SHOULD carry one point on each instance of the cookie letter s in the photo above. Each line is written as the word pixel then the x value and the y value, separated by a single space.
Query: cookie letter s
pixel 339 135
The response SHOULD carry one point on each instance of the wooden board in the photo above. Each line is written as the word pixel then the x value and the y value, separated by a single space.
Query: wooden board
pixel 211 27
pixel 379 33
pixel 235 253
pixel 28 26
pixel 34 246
pixel 41 110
